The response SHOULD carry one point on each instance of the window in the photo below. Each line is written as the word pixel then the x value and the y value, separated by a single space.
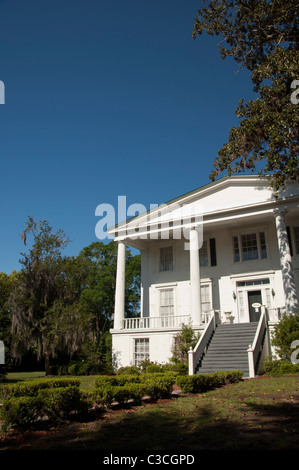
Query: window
pixel 203 254
pixel 166 302
pixel 249 247
pixel 166 258
pixel 263 245
pixel 205 298
pixel 256 282
pixel 141 350
pixel 236 249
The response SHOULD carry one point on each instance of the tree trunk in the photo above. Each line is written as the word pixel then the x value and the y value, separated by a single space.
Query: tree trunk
pixel 47 363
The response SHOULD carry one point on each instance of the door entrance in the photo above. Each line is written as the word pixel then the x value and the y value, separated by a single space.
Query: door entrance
pixel 254 296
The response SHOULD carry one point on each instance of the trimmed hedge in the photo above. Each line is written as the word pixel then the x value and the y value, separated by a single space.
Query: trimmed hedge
pixel 106 395
pixel 128 370
pixel 199 383
pixel 27 402
pixel 60 403
pixel 20 411
pixel 121 388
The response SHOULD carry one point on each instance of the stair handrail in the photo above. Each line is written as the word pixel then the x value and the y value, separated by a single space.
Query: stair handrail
pixel 254 349
pixel 195 354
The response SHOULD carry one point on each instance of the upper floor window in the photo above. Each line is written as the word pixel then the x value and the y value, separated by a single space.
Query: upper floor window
pixel 166 258
pixel 249 247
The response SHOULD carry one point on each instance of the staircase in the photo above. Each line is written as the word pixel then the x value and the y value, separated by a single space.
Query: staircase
pixel 227 349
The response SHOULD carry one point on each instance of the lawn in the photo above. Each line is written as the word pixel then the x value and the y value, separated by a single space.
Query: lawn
pixel 87 381
pixel 257 414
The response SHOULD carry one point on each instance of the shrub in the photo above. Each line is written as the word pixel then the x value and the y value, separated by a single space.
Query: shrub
pixel 284 333
pixel 128 370
pixel 116 380
pixel 158 385
pixel 199 383
pixel 136 391
pixel 121 394
pixel 180 368
pixel 153 368
pixel 55 403
pixel 279 367
pixel 59 403
pixel 21 411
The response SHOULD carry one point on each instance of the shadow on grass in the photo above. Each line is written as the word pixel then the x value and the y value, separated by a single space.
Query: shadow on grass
pixel 163 428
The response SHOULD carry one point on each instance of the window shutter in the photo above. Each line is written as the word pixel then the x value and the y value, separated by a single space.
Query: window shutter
pixel 213 251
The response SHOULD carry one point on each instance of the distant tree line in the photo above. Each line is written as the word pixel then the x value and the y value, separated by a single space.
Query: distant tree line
pixel 57 310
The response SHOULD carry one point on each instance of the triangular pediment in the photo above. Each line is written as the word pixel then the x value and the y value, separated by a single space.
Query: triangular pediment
pixel 227 196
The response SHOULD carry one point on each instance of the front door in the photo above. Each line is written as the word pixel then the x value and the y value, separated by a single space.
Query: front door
pixel 254 296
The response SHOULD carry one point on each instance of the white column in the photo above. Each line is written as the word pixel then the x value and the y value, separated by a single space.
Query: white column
pixel 195 277
pixel 119 309
pixel 291 300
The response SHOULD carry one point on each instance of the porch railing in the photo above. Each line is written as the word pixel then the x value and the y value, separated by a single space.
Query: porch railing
pixel 254 350
pixel 275 314
pixel 195 355
pixel 170 321
pixel 155 322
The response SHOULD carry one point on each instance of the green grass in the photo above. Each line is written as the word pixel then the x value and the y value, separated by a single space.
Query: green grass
pixel 258 414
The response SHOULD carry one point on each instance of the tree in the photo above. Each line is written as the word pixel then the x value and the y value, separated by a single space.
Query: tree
pixel 182 342
pixel 47 314
pixel 99 291
pixel 7 283
pixel 262 36
pixel 284 334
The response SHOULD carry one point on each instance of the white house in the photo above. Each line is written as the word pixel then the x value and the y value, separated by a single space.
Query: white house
pixel 225 253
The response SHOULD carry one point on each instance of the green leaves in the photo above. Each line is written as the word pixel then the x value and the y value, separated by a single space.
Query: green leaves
pixel 262 36
pixel 64 304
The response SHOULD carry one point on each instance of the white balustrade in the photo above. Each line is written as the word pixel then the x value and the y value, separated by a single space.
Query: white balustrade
pixel 155 322
pixel 171 321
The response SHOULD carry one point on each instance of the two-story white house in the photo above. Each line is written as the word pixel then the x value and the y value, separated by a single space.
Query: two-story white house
pixel 224 254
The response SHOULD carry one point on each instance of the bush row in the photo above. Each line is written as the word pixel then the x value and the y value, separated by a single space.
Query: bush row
pixel 278 367
pixel 57 399
pixel 179 369
pixel 40 399
pixel 122 388
pixel 203 382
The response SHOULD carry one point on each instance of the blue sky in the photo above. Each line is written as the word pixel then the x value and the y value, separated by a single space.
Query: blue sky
pixel 104 99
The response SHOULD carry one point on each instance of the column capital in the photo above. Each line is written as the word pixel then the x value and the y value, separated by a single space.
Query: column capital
pixel 279 211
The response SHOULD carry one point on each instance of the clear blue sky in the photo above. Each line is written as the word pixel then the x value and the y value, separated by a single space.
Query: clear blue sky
pixel 105 99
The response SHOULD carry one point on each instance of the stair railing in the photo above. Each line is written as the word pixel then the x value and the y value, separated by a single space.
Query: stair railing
pixel 255 349
pixel 194 355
